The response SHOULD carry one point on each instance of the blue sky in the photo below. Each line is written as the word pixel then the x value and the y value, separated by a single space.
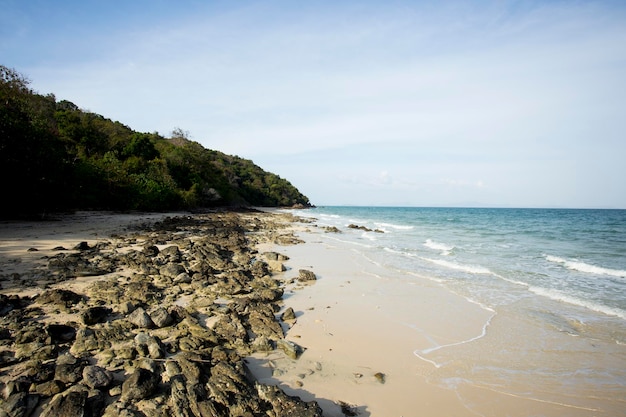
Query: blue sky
pixel 490 103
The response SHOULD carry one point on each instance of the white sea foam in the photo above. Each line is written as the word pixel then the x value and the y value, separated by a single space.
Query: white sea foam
pixel 395 226
pixel 565 298
pixel 444 248
pixel 472 269
pixel 584 267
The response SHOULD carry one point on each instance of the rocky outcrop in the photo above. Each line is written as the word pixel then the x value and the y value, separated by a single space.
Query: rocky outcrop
pixel 163 333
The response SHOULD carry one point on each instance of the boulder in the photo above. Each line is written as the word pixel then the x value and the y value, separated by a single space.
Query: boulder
pixel 97 377
pixel 140 318
pixel 306 275
pixel 140 385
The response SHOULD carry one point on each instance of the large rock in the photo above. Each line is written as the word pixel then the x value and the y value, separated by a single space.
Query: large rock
pixel 70 404
pixel 140 318
pixel 140 385
pixel 97 377
pixel 286 406
pixel 306 275
pixel 291 349
pixel 161 318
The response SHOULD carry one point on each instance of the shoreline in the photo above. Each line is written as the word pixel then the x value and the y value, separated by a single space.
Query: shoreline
pixel 440 352
pixel 352 327
pixel 374 341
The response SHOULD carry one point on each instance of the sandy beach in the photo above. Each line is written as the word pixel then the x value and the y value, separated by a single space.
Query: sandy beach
pixel 374 343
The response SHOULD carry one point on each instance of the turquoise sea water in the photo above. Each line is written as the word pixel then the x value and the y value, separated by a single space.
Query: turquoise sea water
pixel 576 259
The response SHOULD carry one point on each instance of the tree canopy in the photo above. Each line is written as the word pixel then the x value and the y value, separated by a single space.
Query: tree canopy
pixel 55 156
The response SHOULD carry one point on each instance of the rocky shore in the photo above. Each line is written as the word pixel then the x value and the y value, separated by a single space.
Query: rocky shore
pixel 155 321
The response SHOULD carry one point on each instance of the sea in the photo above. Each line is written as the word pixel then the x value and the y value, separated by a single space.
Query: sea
pixel 562 271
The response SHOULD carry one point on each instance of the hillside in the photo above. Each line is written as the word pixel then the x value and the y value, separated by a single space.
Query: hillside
pixel 55 156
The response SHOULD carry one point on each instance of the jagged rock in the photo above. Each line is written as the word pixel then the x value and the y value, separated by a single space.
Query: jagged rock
pixel 288 315
pixel 65 298
pixel 151 250
pixel 61 333
pixel 69 369
pixel 48 388
pixel 262 344
pixel 85 342
pixel 97 377
pixel 291 349
pixel 306 275
pixel 285 405
pixel 230 328
pixel 70 404
pixel 172 270
pixel 82 246
pixel 19 405
pixel 140 318
pixel 263 322
pixel 94 315
pixel 149 346
pixel 161 318
pixel 140 385
pixel 275 256
pixel 182 278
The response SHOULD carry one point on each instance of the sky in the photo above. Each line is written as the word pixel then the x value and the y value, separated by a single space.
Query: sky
pixel 395 103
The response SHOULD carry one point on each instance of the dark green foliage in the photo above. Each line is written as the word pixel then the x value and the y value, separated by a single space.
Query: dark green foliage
pixel 55 156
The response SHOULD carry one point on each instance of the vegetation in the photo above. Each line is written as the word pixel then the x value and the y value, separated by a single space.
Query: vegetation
pixel 56 157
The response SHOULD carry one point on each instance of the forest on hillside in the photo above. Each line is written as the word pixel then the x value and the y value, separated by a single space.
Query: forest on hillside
pixel 55 157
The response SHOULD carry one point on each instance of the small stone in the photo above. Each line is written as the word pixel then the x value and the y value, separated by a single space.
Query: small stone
pixel 380 377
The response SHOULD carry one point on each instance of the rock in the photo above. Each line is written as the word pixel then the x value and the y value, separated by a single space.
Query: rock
pixel 182 278
pixel 288 315
pixel 61 333
pixel 70 404
pixel 82 246
pixel 151 250
pixel 19 404
pixel 285 405
pixel 48 388
pixel 69 372
pixel 94 315
pixel 262 344
pixel 97 377
pixel 306 275
pixel 161 318
pixel 85 341
pixel 149 346
pixel 140 385
pixel 380 377
pixel 291 349
pixel 275 256
pixel 172 270
pixel 140 318
pixel 65 298
pixel 263 322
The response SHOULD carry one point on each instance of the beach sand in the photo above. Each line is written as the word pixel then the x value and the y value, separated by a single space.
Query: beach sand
pixel 380 343
pixel 440 354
